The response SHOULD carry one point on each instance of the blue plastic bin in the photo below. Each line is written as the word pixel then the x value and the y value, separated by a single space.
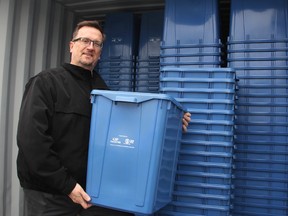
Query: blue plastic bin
pixel 148 59
pixel 119 30
pixel 191 34
pixel 258 19
pixel 117 54
pixel 150 34
pixel 133 151
pixel 191 20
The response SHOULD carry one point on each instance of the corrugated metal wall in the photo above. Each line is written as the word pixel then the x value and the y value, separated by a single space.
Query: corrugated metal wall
pixel 35 35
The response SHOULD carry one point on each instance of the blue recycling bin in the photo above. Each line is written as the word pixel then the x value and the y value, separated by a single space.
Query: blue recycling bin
pixel 133 150
pixel 245 16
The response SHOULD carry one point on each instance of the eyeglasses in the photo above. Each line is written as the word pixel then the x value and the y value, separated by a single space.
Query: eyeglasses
pixel 86 41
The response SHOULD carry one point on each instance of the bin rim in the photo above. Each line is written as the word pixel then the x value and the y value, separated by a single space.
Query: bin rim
pixel 141 97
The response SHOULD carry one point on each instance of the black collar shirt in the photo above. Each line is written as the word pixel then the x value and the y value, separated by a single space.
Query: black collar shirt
pixel 53 129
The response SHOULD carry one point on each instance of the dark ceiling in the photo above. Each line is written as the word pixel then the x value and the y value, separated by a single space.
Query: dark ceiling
pixel 97 9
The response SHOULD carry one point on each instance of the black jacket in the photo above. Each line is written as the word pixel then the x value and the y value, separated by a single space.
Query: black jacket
pixel 53 129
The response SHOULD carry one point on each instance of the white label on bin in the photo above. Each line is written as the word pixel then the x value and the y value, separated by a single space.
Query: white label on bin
pixel 122 141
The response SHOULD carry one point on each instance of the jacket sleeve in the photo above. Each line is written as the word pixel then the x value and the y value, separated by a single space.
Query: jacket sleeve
pixel 35 141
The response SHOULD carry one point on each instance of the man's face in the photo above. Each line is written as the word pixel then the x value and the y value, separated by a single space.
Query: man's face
pixel 83 54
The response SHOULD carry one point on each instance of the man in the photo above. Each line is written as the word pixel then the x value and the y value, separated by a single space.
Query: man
pixel 53 131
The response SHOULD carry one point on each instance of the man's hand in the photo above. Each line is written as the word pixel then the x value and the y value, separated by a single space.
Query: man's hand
pixel 79 196
pixel 185 121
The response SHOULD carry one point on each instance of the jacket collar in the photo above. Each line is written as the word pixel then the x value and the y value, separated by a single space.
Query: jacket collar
pixel 79 72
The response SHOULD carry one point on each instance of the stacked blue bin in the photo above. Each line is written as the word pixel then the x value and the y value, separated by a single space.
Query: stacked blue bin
pixel 148 59
pixel 190 72
pixel 204 175
pixel 191 34
pixel 258 50
pixel 116 64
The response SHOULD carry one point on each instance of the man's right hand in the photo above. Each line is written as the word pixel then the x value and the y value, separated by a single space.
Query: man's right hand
pixel 79 196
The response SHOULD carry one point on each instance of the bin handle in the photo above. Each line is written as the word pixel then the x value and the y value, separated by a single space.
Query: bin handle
pixel 126 99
